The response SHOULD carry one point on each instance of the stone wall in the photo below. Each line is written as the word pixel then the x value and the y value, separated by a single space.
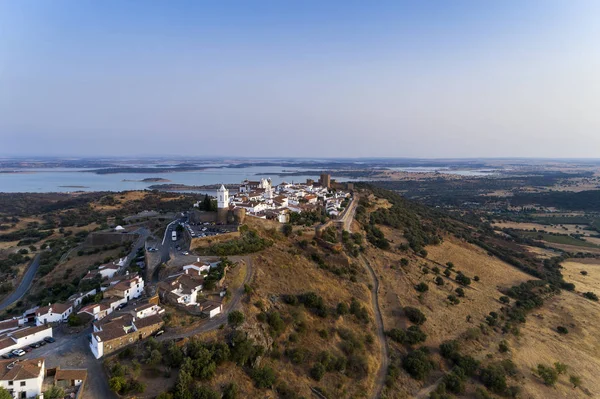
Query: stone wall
pixel 121 342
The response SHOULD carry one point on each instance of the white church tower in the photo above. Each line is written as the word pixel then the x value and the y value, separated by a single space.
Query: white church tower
pixel 222 197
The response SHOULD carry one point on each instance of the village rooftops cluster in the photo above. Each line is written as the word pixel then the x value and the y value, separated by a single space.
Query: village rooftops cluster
pixel 262 199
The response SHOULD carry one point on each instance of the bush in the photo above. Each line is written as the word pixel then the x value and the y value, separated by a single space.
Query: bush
pixel 575 380
pixel 591 296
pixel 547 374
pixel 317 371
pixel 230 391
pixel 404 262
pixel 439 280
pixel 505 300
pixel 560 368
pixel 422 287
pixel 235 318
pixel 453 300
pixel 263 377
pixel 287 229
pixel 415 315
pixel 417 364
pixel 460 292
pixel 494 378
pixel 503 346
pixel 342 309
pixel 450 349
pixel 454 383
pixel 447 272
pixel 562 330
pixel 462 279
pixel 475 278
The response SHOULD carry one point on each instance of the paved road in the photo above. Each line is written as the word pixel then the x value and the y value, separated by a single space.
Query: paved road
pixel 23 285
pixel 349 213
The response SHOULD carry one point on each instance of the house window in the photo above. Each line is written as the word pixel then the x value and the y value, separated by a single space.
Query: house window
pixel 23 383
pixel 10 383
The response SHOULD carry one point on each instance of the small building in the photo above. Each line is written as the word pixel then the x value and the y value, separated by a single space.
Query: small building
pixel 69 378
pixel 26 336
pixel 112 334
pixel 197 268
pixel 129 288
pixel 8 325
pixel 53 313
pixel 97 310
pixel 149 309
pixel 181 289
pixel 210 308
pixel 22 379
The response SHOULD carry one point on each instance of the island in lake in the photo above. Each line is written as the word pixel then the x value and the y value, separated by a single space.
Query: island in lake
pixel 150 180
pixel 185 187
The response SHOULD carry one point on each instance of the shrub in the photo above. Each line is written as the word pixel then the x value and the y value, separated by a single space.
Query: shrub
pixel 454 383
pixel 230 391
pixel 436 270
pixel 583 273
pixel 475 278
pixel 562 330
pixel 462 279
pixel 449 265
pixel 453 300
pixel 591 296
pixel 317 371
pixel 422 287
pixel 403 262
pixel 505 300
pixel 342 309
pixel 503 346
pixel 460 292
pixel 439 280
pixel 418 364
pixel 547 374
pixel 450 349
pixel 494 378
pixel 415 315
pixel 560 368
pixel 447 272
pixel 235 318
pixel 575 380
pixel 263 377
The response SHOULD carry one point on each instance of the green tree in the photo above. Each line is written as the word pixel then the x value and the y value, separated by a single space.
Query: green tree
pixel 560 368
pixel 235 318
pixel 317 371
pixel 230 391
pixel 263 377
pixel 53 393
pixel 422 287
pixel 573 379
pixel 505 300
pixel 4 394
pixel 439 280
pixel 154 358
pixel 117 384
pixel 287 229
pixel 415 315
pixel 547 374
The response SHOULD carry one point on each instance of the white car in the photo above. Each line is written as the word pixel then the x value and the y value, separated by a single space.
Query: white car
pixel 18 352
pixel 185 253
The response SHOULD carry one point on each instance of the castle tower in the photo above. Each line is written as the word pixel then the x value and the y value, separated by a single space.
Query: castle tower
pixel 222 197
pixel 222 204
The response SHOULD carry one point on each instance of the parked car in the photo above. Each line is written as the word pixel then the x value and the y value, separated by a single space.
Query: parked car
pixel 18 352
pixel 185 253
pixel 49 340
pixel 35 345
pixel 159 332
pixel 122 306
pixel 8 355
pixel 42 343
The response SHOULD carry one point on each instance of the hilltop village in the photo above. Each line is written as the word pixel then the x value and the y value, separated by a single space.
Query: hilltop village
pixel 125 301
pixel 263 200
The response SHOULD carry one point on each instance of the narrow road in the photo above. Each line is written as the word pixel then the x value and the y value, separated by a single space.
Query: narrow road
pixel 347 220
pixel 216 321
pixel 24 285
pixel 384 349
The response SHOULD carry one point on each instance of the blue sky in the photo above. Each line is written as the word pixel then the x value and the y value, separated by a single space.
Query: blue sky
pixel 300 78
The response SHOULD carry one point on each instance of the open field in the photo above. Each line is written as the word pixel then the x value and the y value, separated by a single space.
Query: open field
pixel 559 229
pixel 540 343
pixel 559 239
pixel 572 273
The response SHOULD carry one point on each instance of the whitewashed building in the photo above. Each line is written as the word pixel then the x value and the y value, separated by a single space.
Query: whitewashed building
pixel 53 313
pixel 22 379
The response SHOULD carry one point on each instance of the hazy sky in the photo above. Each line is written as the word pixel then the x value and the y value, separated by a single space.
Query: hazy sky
pixel 300 78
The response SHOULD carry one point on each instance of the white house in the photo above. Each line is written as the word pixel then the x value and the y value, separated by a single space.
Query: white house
pixel 97 310
pixel 196 268
pixel 181 289
pixel 210 308
pixel 129 288
pixel 22 379
pixel 24 336
pixel 146 310
pixel 53 313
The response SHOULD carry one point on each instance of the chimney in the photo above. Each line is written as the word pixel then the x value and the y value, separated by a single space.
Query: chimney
pixel 39 363
pixel 198 259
